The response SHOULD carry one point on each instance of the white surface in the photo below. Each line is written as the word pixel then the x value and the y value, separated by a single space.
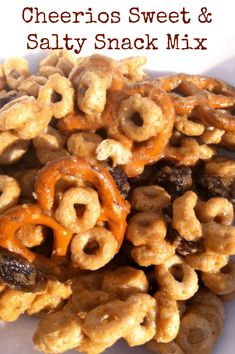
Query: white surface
pixel 218 60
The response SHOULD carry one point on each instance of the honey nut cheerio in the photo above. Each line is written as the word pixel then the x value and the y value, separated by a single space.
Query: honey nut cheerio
pixel 116 208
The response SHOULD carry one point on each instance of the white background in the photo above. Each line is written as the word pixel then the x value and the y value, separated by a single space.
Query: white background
pixel 218 60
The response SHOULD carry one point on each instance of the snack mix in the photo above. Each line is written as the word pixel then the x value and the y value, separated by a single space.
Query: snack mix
pixel 116 204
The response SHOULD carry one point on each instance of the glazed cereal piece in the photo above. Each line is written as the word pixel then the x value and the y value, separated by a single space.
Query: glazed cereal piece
pixel 91 87
pixel 84 144
pixel 212 135
pixel 150 198
pixel 15 70
pixel 207 261
pixel 150 113
pixel 25 116
pixel 66 213
pixel 188 127
pixel 132 68
pixel 219 238
pixel 31 235
pixel 49 145
pixel 184 218
pixel 164 348
pixel 168 317
pixel 145 325
pixel 206 297
pixel 221 282
pixel 175 179
pixel 58 332
pixel 228 141
pixel 62 60
pixel 63 104
pixel 87 293
pixel 93 248
pixel 147 232
pixel 47 71
pixel 125 281
pixel 217 209
pixel 212 316
pixel 114 150
pixel 195 334
pixel 52 299
pixel 189 152
pixel 177 278
pixel 122 319
pixel 13 303
pixel 10 192
pixel 31 85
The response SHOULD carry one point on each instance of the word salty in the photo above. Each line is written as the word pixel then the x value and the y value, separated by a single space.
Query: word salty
pixel 101 41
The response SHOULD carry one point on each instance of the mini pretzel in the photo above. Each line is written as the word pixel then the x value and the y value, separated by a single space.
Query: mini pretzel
pixel 114 207
pixel 201 99
pixel 23 215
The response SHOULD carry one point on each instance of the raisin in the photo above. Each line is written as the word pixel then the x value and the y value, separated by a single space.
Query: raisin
pixel 176 180
pixel 211 186
pixel 121 180
pixel 17 272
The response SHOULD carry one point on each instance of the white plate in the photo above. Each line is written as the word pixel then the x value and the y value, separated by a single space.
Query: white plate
pixel 218 61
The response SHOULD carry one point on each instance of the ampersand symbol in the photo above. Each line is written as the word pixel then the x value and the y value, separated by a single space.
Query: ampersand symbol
pixel 205 17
